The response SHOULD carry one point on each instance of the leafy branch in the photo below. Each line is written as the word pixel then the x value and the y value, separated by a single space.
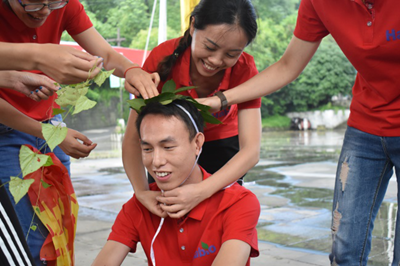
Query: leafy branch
pixel 72 97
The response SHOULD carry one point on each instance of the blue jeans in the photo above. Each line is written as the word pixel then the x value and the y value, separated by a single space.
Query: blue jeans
pixel 10 144
pixel 365 167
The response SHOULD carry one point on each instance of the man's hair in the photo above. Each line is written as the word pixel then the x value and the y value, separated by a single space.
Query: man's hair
pixel 173 110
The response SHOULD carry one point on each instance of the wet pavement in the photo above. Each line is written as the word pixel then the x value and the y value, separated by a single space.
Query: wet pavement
pixel 293 182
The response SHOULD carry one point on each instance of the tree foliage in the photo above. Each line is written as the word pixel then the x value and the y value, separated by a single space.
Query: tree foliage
pixel 328 74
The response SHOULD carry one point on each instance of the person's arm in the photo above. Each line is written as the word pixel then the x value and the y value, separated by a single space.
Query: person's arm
pixel 233 253
pixel 288 68
pixel 65 65
pixel 112 254
pixel 13 118
pixel 137 81
pixel 134 169
pixel 181 200
pixel 35 86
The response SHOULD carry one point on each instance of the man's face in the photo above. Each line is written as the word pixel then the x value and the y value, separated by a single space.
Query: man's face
pixel 167 152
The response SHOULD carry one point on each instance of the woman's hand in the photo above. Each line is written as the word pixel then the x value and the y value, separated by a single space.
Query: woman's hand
pixel 181 200
pixel 214 102
pixel 65 64
pixel 141 83
pixel 77 145
pixel 149 199
pixel 35 86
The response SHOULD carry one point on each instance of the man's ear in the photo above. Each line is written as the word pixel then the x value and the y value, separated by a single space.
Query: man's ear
pixel 191 27
pixel 199 141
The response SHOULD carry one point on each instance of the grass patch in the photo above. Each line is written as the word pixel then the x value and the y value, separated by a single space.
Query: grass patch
pixel 276 122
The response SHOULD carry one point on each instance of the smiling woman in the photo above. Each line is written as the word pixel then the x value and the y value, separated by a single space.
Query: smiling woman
pixel 209 57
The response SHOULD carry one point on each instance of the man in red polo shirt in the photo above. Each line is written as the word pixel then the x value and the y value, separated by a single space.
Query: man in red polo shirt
pixel 219 231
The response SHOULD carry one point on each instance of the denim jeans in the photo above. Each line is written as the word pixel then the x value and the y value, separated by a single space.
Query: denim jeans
pixel 365 167
pixel 10 144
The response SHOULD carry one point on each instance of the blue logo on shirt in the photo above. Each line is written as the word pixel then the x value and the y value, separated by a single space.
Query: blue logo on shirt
pixel 205 250
pixel 392 35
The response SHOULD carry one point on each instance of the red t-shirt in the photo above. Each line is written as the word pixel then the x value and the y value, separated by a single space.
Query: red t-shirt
pixel 72 18
pixel 243 70
pixel 369 36
pixel 195 240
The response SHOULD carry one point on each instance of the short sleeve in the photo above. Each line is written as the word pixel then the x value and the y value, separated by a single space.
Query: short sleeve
pixel 309 26
pixel 78 21
pixel 240 221
pixel 124 230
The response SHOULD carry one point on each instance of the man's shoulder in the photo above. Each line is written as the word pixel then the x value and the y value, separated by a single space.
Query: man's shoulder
pixel 236 196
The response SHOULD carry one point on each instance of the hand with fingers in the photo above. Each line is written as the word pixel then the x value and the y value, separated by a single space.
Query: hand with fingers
pixel 141 83
pixel 67 65
pixel 180 201
pixel 214 102
pixel 77 145
pixel 35 86
pixel 149 199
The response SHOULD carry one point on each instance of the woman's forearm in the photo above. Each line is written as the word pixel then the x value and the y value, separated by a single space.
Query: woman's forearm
pixel 17 56
pixel 131 156
pixel 245 159
pixel 13 118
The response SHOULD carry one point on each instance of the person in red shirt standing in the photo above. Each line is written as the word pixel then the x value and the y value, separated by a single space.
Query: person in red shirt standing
pixel 369 37
pixel 39 25
pixel 210 57
pixel 219 231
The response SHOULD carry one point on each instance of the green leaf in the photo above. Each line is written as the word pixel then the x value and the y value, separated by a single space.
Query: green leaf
pixel 69 95
pixel 169 86
pixel 19 187
pixel 184 89
pixel 53 135
pixel 102 76
pixel 44 184
pixel 31 161
pixel 57 111
pixel 209 118
pixel 166 102
pixel 161 97
pixel 204 245
pixel 136 104
pixel 83 103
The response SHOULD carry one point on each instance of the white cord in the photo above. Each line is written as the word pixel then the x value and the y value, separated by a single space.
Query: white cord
pixel 153 259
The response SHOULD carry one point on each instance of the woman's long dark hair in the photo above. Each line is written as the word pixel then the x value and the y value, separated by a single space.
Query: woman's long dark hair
pixel 213 12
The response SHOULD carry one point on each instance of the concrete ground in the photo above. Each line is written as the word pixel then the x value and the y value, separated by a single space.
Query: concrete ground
pixel 101 198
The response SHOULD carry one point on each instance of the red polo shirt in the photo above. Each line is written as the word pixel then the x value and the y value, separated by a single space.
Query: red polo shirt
pixel 243 70
pixel 72 18
pixel 195 240
pixel 369 36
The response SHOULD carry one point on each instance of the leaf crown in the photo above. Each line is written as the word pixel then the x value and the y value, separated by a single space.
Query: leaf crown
pixel 169 94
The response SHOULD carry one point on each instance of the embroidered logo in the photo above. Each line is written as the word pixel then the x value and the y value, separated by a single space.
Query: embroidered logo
pixel 205 250
pixel 392 35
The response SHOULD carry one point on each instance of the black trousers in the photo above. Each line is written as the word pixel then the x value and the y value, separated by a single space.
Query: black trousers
pixel 13 247
pixel 216 154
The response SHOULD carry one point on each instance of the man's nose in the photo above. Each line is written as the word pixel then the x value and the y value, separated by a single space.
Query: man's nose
pixel 158 158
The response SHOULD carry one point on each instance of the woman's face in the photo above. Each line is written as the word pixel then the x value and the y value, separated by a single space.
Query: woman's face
pixel 216 48
pixel 30 19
